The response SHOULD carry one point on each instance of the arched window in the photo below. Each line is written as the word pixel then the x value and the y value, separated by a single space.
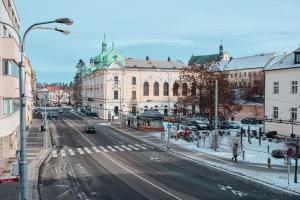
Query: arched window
pixel 166 111
pixel 166 89
pixel 156 108
pixel 175 89
pixel 193 90
pixel 184 89
pixel 156 89
pixel 146 89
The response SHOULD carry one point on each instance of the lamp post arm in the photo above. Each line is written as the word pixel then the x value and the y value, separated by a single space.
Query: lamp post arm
pixel 11 26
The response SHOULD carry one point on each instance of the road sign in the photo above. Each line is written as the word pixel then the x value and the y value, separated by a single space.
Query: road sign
pixel 290 152
pixel 169 125
pixel 10 180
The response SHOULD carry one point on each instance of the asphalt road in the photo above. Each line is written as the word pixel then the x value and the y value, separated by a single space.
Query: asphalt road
pixel 139 171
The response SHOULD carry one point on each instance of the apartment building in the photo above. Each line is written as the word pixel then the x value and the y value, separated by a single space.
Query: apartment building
pixel 282 97
pixel 9 82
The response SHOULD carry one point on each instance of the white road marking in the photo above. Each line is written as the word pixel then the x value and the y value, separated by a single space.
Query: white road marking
pixel 127 148
pixel 140 146
pixel 123 167
pixel 135 148
pixel 80 151
pixel 54 154
pixel 71 152
pixel 96 150
pixel 119 148
pixel 112 149
pixel 87 150
pixel 146 145
pixel 62 153
pixel 103 149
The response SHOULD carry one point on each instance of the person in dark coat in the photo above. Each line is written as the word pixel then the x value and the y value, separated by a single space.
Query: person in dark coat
pixel 234 151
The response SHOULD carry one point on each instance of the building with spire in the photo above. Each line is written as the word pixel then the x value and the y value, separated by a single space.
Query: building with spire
pixel 204 59
pixel 114 85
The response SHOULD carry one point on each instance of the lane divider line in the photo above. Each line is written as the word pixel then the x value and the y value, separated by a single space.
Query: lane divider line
pixel 123 167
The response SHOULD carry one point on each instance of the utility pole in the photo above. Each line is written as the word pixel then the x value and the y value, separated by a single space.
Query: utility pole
pixel 296 160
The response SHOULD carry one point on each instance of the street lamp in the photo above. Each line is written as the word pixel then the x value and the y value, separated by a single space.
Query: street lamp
pixel 22 153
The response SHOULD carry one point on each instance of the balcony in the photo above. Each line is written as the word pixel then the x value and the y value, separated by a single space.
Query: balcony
pixel 9 123
pixel 9 49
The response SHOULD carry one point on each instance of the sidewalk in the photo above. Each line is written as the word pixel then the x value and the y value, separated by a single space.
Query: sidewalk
pixel 36 152
pixel 273 177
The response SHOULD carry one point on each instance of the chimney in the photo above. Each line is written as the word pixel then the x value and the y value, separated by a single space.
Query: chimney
pixel 169 59
pixel 147 58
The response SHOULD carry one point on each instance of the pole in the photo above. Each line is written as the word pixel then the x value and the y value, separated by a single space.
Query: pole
pixel 216 106
pixel 23 167
pixel 289 170
pixel 296 160
pixel 45 122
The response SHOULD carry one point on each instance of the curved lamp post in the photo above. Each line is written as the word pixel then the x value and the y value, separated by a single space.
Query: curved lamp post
pixel 22 153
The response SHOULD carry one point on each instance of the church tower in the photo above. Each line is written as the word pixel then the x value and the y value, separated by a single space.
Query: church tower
pixel 104 45
pixel 221 50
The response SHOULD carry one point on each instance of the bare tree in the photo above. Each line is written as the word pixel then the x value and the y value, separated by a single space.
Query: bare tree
pixel 201 90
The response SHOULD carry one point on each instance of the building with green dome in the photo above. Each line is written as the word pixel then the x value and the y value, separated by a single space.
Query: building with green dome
pixel 113 85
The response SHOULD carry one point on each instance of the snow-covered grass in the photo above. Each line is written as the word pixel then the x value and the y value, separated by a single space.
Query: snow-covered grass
pixel 254 153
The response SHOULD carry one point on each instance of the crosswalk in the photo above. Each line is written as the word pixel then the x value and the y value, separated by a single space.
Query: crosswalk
pixel 99 149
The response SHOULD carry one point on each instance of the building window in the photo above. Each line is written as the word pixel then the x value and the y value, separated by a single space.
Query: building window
pixel 116 110
pixel 133 81
pixel 10 68
pixel 193 90
pixel 116 95
pixel 293 113
pixel 249 74
pixel 275 87
pixel 275 112
pixel 166 89
pixel 156 89
pixel 146 89
pixel 297 58
pixel 245 74
pixel 133 94
pixel 116 80
pixel 175 89
pixel 184 89
pixel 7 106
pixel 156 108
pixel 145 108
pixel 294 87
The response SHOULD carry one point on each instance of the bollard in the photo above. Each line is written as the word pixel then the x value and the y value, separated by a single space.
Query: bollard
pixel 268 149
pixel 243 155
pixel 269 163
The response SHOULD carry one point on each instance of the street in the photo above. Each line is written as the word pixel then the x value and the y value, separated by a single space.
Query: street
pixel 112 165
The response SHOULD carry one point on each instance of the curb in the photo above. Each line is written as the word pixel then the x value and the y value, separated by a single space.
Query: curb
pixel 212 165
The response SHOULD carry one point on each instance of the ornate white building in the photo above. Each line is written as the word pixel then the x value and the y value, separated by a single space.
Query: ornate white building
pixel 114 84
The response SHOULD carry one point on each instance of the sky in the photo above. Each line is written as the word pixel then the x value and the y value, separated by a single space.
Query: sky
pixel 155 28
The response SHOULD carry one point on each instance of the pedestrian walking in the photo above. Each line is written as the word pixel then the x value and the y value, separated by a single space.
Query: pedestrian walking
pixel 234 151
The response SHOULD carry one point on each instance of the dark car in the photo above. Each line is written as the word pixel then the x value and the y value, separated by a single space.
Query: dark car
pixel 278 153
pixel 90 128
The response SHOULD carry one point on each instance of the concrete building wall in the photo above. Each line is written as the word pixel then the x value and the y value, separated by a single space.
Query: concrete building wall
pixel 284 100
pixel 9 88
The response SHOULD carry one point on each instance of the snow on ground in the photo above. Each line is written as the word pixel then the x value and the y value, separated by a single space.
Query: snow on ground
pixel 254 153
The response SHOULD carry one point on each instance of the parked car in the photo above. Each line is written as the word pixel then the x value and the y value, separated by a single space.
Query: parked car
pixel 201 125
pixel 233 125
pixel 90 128
pixel 278 153
pixel 250 120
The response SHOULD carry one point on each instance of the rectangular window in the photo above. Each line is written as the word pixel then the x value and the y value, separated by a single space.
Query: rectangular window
pixel 294 87
pixel 116 95
pixel 275 112
pixel 116 80
pixel 133 81
pixel 133 94
pixel 10 68
pixel 7 106
pixel 293 113
pixel 297 58
pixel 275 87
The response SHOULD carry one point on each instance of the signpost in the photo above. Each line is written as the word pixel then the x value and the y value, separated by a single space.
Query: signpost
pixel 290 154
pixel 169 126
